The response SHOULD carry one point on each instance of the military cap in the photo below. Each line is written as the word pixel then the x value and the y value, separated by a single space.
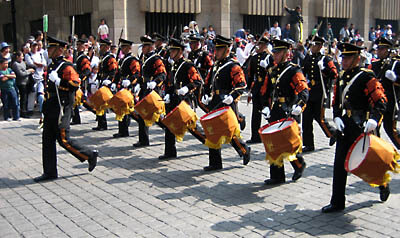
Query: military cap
pixel 193 37
pixel 157 36
pixel 82 41
pixel 383 42
pixel 146 40
pixel 221 41
pixel 125 42
pixel 175 44
pixel 51 41
pixel 349 49
pixel 105 42
pixel 318 40
pixel 263 40
pixel 280 45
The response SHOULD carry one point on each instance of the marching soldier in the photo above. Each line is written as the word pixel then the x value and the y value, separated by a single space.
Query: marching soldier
pixel 199 57
pixel 107 70
pixel 153 77
pixel 159 46
pixel 320 72
pixel 57 109
pixel 358 97
pixel 285 93
pixel 258 66
pixel 387 70
pixel 224 86
pixel 127 76
pixel 183 80
pixel 83 69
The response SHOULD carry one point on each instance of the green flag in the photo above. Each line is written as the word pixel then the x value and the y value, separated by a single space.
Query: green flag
pixel 45 23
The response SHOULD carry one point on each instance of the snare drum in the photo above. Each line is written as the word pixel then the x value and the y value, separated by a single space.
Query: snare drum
pixel 122 104
pixel 150 108
pixel 100 100
pixel 282 140
pixel 180 119
pixel 373 163
pixel 219 127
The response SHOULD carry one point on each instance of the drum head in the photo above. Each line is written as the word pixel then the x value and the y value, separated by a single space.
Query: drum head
pixel 215 113
pixel 276 126
pixel 357 155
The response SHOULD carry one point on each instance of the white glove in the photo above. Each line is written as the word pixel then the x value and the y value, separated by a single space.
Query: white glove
pixel 296 110
pixel 53 76
pixel 171 61
pixel 370 125
pixel 266 112
pixel 339 123
pixel 205 99
pixel 167 99
pixel 106 82
pixel 136 90
pixel 321 65
pixel 113 87
pixel 390 74
pixel 151 85
pixel 126 83
pixel 228 100
pixel 264 63
pixel 183 91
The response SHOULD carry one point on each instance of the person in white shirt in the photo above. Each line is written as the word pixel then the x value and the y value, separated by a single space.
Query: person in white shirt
pixel 275 31
pixel 249 46
pixel 241 57
pixel 103 31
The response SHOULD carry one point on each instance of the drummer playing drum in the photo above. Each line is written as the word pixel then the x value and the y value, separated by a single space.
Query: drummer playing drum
pixel 285 94
pixel 182 81
pixel 359 103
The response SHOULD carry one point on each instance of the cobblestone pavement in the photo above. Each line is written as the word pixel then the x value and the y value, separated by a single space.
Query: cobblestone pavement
pixel 133 194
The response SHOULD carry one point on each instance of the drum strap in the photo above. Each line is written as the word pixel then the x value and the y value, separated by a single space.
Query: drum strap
pixel 123 62
pixel 176 73
pixel 394 90
pixel 80 56
pixel 346 89
pixel 276 84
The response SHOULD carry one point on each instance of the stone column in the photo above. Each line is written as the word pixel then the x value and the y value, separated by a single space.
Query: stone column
pixel 225 28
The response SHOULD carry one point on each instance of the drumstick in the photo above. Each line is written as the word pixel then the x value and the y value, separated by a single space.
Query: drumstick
pixel 365 135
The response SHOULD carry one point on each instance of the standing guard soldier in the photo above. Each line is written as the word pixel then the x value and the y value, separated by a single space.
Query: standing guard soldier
pixel 107 70
pixel 183 80
pixel 224 86
pixel 320 72
pixel 258 66
pixel 358 97
pixel 127 76
pixel 83 68
pixel 57 109
pixel 387 70
pixel 285 93
pixel 153 77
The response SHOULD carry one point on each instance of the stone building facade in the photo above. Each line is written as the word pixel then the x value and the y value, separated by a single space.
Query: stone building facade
pixel 138 17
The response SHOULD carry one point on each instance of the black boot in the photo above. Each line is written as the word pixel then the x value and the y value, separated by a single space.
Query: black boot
pixel 332 208
pixel 384 192
pixel 93 160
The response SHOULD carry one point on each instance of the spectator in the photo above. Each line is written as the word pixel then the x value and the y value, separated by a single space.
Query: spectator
pixel 357 35
pixel 314 31
pixel 389 32
pixel 5 51
pixel 94 44
pixel 103 31
pixel 240 34
pixel 241 57
pixel 194 28
pixel 344 33
pixel 374 53
pixel 372 34
pixel 275 31
pixel 251 43
pixel 8 93
pixel 204 32
pixel 35 60
pixel 360 41
pixel 22 78
pixel 352 30
pixel 38 36
pixel 286 32
pixel 299 54
pixel 26 49
pixel 329 34
pixel 378 31
pixel 295 19
pixel 84 36
pixel 185 33
pixel 211 36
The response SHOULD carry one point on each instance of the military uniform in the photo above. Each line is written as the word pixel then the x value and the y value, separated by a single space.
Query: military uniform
pixel 153 70
pixel 257 75
pixel 285 88
pixel 226 79
pixel 183 74
pixel 380 68
pixel 57 109
pixel 319 82
pixel 356 94
pixel 107 70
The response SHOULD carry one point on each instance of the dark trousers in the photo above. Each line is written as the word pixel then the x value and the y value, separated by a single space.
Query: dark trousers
pixel 123 126
pixel 256 120
pixel 102 121
pixel 9 98
pixel 23 98
pixel 143 131
pixel 53 132
pixel 315 111
pixel 343 144
pixel 76 118
pixel 389 124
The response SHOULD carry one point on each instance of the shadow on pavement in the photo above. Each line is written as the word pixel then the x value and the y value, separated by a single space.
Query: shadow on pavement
pixel 14 183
